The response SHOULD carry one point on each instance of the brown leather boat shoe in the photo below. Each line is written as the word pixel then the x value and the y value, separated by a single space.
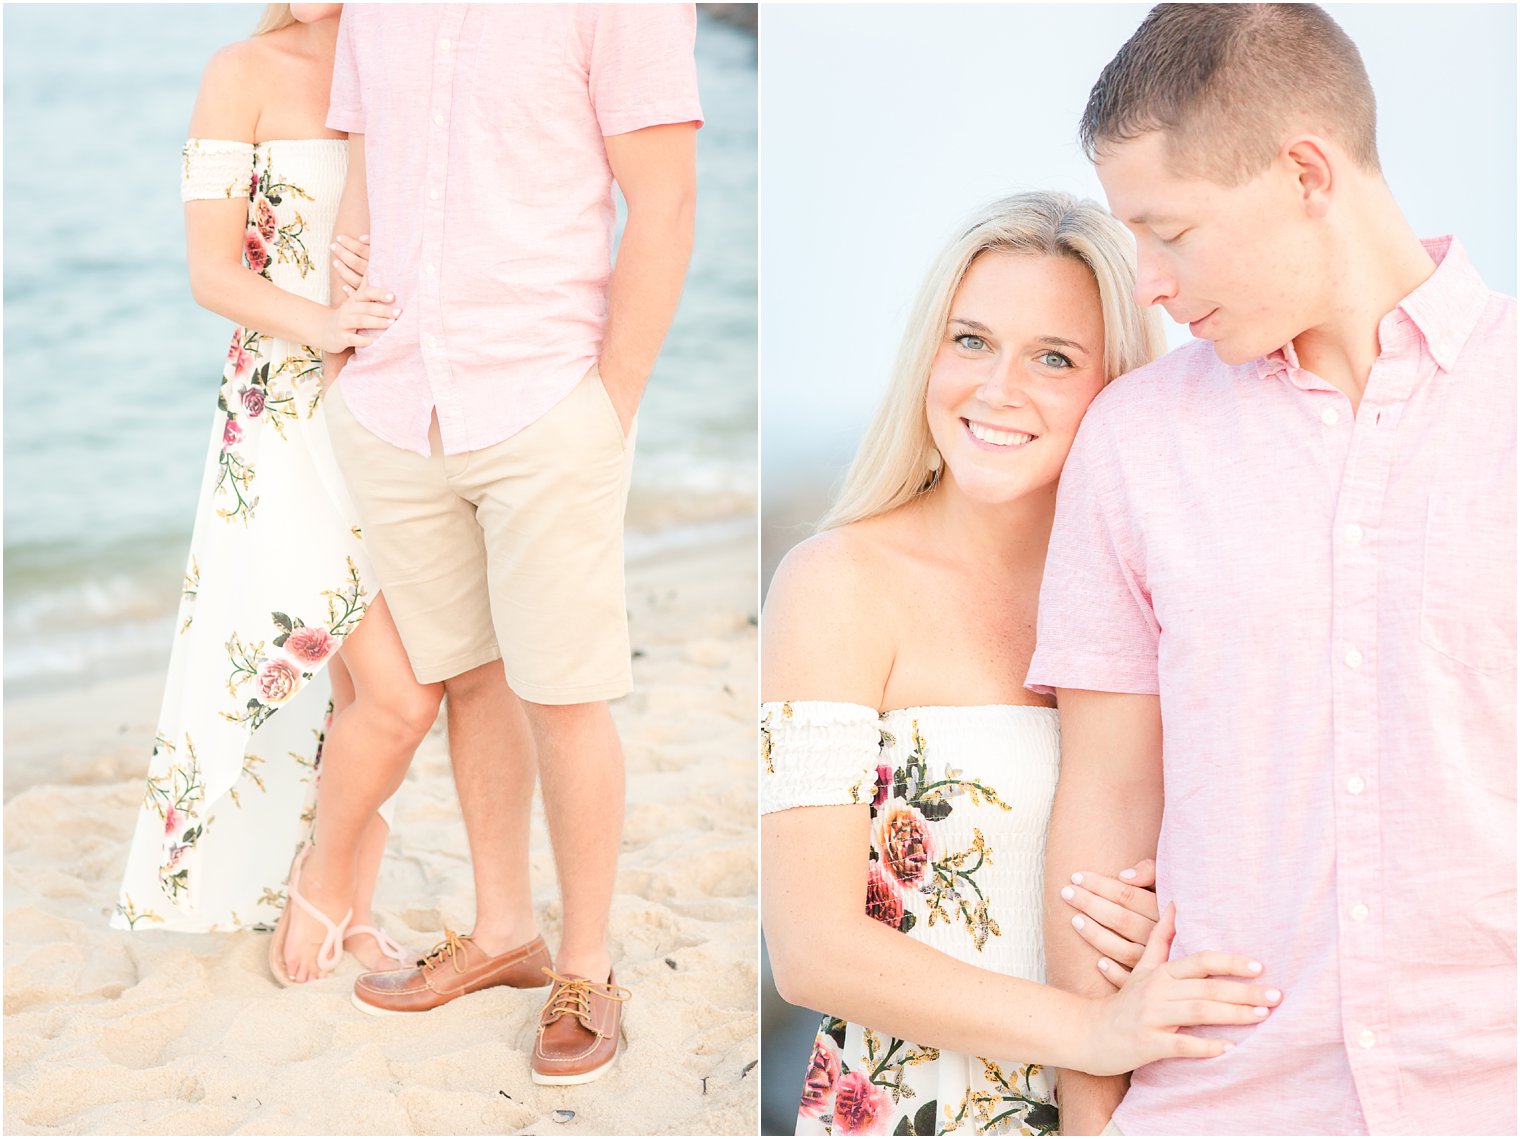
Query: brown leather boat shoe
pixel 578 1030
pixel 453 968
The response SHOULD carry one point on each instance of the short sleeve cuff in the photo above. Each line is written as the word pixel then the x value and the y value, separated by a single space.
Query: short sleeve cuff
pixel 350 120
pixel 624 122
pixel 1092 672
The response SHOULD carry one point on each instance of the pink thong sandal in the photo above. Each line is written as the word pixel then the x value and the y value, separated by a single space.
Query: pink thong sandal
pixel 332 943
pixel 388 947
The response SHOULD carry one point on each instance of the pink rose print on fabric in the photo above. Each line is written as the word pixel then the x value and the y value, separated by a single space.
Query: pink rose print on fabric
pixel 232 434
pixel 310 646
pixel 860 1107
pixel 882 899
pixel 267 223
pixel 253 401
pixel 822 1075
pixel 255 250
pixel 278 681
pixel 901 834
pixel 171 821
pixel 239 357
pixel 883 784
pixel 253 184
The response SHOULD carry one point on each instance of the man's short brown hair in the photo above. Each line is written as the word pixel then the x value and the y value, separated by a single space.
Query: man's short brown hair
pixel 1228 82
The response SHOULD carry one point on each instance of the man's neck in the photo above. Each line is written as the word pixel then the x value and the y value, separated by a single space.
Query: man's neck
pixel 1383 262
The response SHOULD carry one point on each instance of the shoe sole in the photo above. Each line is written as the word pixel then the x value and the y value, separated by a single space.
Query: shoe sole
pixel 577 1078
pixel 375 1010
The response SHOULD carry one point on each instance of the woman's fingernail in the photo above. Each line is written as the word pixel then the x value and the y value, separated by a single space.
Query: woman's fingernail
pixel 1077 878
pixel 1078 922
pixel 1260 1010
pixel 390 296
pixel 1103 963
pixel 1228 1045
pixel 1254 966
pixel 395 312
pixel 364 237
pixel 335 264
pixel 1273 996
pixel 333 246
pixel 1068 893
pixel 1126 874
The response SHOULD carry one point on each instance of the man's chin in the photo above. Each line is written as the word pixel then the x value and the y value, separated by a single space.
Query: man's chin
pixel 1233 351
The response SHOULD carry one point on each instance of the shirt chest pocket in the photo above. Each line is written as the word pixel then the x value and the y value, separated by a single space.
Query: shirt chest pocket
pixel 529 92
pixel 1467 589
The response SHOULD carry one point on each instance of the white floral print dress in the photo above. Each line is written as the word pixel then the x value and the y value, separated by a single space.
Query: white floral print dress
pixel 275 580
pixel 960 801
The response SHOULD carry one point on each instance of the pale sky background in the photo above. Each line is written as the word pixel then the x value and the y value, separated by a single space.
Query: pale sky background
pixel 882 126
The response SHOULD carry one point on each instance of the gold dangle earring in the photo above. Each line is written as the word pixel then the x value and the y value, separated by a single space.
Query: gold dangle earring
pixel 936 464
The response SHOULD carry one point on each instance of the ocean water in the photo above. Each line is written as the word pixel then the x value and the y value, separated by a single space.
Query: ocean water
pixel 111 370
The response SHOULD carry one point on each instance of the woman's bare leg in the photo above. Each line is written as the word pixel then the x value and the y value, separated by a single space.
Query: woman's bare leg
pixel 368 749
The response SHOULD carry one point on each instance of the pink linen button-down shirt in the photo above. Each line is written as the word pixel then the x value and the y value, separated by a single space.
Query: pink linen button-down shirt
pixel 1325 603
pixel 490 197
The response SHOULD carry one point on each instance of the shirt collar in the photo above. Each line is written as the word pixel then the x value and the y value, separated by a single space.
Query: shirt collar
pixel 1447 305
pixel 1445 308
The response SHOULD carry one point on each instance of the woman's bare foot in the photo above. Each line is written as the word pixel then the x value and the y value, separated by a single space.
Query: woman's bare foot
pixel 330 890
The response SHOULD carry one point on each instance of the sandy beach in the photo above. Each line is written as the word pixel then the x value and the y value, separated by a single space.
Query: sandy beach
pixel 156 1033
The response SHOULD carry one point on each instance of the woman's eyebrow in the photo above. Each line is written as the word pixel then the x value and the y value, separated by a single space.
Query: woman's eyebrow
pixel 1060 342
pixel 975 325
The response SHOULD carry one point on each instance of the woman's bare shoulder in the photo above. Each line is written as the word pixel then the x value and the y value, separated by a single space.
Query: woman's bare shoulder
pixel 227 104
pixel 826 631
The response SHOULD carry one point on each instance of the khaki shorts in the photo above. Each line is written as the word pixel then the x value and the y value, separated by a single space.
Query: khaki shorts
pixel 514 551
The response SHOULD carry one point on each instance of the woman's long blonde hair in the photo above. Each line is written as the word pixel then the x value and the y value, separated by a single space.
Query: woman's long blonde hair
pixel 893 462
pixel 275 17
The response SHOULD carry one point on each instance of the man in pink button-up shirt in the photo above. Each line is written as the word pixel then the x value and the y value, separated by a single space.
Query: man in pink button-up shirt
pixel 487 434
pixel 1280 600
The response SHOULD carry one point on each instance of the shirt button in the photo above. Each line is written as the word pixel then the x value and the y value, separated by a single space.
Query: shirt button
pixel 1354 659
pixel 1356 785
pixel 444 45
pixel 432 342
pixel 430 269
pixel 1330 416
pixel 1353 533
pixel 433 194
pixel 1365 1038
pixel 1359 912
pixel 438 120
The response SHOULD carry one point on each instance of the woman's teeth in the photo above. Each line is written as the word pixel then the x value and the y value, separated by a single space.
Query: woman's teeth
pixel 996 437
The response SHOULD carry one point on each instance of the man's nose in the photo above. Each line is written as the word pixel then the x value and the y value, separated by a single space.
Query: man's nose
pixel 1153 285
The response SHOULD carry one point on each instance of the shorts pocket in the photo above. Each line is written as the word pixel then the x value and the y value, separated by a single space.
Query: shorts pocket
pixel 1467 589
pixel 612 413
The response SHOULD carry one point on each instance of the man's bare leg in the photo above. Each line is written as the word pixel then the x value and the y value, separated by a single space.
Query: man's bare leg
pixel 582 765
pixel 494 771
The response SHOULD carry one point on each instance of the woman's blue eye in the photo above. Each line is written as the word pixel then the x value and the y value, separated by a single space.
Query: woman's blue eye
pixel 970 342
pixel 1054 359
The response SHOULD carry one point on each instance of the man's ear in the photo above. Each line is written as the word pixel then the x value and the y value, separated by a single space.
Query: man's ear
pixel 1307 157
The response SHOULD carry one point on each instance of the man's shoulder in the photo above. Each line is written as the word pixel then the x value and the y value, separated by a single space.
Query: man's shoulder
pixel 1155 390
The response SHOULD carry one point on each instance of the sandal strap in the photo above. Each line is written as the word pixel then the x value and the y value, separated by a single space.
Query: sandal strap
pixel 332 944
pixel 383 940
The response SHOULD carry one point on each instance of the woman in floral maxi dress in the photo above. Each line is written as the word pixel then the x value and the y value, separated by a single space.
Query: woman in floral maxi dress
pixel 903 849
pixel 279 598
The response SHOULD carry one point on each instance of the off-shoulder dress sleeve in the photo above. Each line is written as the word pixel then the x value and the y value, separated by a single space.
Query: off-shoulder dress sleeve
pixel 817 753
pixel 215 168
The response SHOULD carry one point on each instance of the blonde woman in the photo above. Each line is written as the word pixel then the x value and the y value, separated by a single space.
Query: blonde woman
pixel 907 773
pixel 278 590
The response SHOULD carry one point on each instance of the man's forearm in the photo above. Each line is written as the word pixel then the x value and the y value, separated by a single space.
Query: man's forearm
pixel 352 218
pixel 1107 815
pixel 645 289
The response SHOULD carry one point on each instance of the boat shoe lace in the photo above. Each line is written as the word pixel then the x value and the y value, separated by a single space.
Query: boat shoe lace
pixel 573 996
